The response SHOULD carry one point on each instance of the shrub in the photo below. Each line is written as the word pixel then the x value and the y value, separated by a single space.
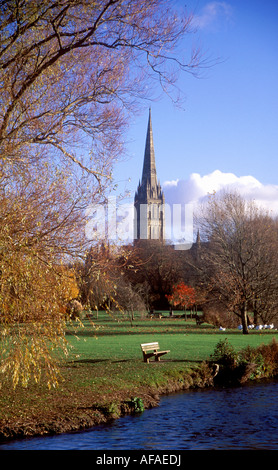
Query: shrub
pixel 252 363
pixel 137 405
pixel 224 354
pixel 249 364
pixel 217 314
pixel 269 353
pixel 265 357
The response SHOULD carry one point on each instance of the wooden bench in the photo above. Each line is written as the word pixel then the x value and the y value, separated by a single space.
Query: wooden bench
pixel 152 350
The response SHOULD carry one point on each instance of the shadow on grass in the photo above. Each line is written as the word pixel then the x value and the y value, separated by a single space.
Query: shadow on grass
pixel 165 361
pixel 104 361
pixel 142 331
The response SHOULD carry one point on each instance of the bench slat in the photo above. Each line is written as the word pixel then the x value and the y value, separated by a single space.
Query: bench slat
pixel 149 346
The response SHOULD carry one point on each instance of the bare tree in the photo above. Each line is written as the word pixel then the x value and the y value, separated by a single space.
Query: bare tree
pixel 240 257
pixel 265 274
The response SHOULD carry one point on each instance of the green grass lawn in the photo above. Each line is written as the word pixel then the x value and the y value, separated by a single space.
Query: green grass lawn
pixel 108 339
pixel 110 348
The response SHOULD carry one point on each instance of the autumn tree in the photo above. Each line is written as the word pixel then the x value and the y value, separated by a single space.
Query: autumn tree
pixel 103 284
pixel 71 72
pixel 129 300
pixel 240 255
pixel 98 277
pixel 265 274
pixel 155 267
pixel 182 296
pixel 37 239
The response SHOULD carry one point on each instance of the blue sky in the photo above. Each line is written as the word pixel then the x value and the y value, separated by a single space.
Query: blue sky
pixel 227 130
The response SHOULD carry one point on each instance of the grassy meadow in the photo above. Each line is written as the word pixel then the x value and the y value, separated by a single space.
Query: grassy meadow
pixel 105 368
pixel 117 339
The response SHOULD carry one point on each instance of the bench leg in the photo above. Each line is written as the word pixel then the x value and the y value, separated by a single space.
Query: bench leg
pixel 158 355
pixel 147 357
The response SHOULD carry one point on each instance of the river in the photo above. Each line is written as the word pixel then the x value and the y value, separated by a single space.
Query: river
pixel 241 418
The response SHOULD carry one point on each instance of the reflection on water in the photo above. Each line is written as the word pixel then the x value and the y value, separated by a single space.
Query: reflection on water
pixel 232 419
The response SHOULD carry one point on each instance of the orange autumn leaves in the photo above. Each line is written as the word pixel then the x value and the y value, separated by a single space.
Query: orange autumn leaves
pixel 183 296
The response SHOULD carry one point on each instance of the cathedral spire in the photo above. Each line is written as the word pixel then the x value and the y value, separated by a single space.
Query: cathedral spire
pixel 149 198
pixel 149 169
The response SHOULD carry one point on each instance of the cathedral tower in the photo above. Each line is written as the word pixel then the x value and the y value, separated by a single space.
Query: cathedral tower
pixel 149 198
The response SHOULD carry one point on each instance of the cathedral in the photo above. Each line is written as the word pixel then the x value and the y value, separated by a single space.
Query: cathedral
pixel 149 199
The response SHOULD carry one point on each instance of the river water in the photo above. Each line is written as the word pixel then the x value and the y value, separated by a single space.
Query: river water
pixel 241 418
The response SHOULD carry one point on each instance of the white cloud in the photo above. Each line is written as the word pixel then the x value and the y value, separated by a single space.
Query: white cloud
pixel 214 15
pixel 197 188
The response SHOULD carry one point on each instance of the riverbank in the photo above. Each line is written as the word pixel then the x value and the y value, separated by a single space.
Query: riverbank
pixel 105 377
pixel 35 411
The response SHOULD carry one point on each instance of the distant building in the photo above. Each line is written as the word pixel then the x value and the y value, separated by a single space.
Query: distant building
pixel 149 199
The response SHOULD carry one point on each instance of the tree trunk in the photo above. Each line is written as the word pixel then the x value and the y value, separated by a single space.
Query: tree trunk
pixel 255 317
pixel 244 319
